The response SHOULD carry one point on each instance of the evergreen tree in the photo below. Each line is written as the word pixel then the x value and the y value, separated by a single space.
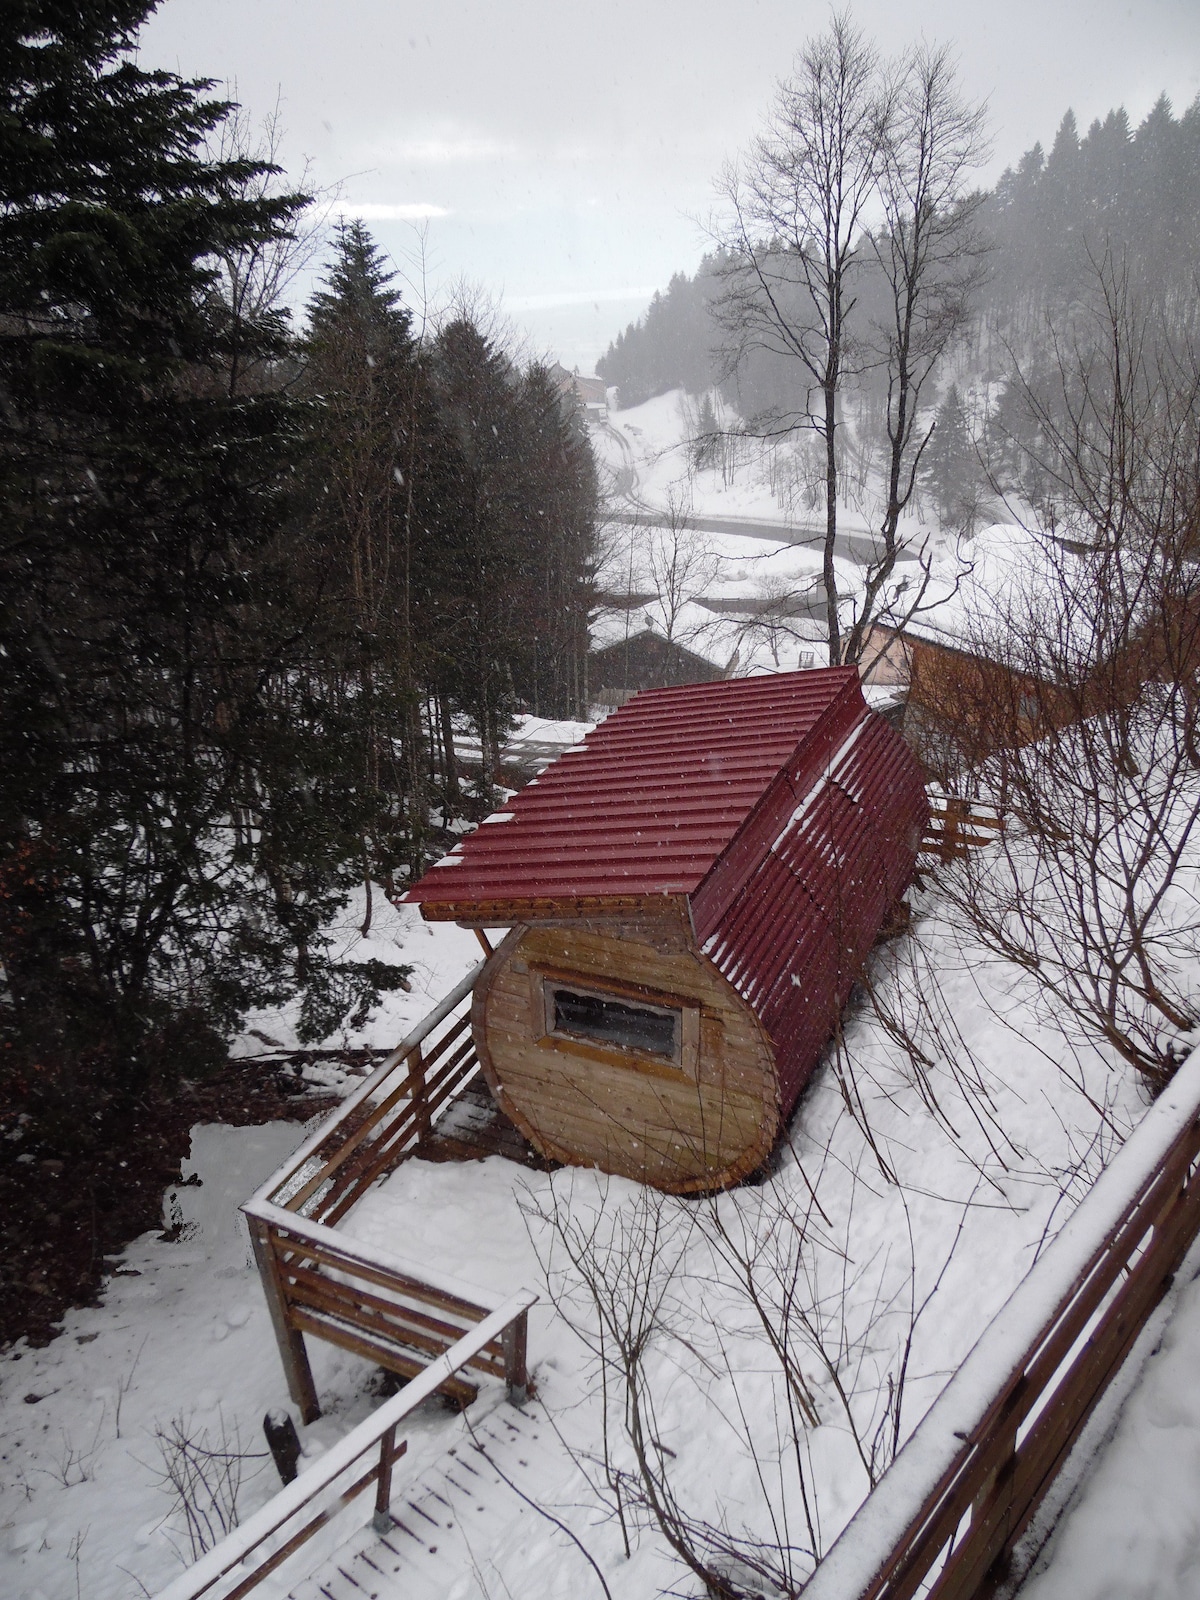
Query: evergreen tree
pixel 949 466
pixel 379 470
pixel 169 855
pixel 561 491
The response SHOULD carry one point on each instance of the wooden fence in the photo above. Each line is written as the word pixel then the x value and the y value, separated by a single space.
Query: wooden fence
pixel 946 1517
pixel 956 826
pixel 317 1281
pixel 264 1542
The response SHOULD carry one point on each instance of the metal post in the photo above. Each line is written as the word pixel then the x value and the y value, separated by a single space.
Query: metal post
pixel 514 1342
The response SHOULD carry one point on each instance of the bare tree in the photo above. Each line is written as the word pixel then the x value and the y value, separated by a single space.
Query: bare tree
pixel 858 185
pixel 1074 706
pixel 260 278
pixel 799 202
pixel 931 258
pixel 661 1290
pixel 681 566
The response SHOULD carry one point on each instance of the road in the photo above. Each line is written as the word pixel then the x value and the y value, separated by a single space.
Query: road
pixel 859 547
pixel 627 506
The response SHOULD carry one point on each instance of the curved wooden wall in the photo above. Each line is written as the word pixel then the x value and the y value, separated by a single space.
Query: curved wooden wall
pixel 684 1131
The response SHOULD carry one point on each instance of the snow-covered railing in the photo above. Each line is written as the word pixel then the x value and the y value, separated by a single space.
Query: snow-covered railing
pixel 311 1501
pixel 319 1282
pixel 385 1118
pixel 947 1515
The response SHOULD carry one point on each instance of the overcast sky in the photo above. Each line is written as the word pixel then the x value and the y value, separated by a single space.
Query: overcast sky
pixel 561 153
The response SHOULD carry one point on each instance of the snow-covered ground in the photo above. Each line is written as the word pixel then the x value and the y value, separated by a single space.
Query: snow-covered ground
pixel 439 954
pixel 532 745
pixel 646 451
pixel 1133 1532
pixel 726 582
pixel 989 1153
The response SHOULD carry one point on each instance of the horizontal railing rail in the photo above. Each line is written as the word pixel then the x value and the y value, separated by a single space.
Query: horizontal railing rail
pixel 956 826
pixel 364 1299
pixel 385 1118
pixel 267 1539
pixel 946 1517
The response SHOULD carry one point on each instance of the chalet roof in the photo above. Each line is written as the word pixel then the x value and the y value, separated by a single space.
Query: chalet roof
pixel 653 800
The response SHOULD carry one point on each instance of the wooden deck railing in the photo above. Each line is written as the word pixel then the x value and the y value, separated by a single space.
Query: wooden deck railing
pixel 946 1517
pixel 956 826
pixel 319 1282
pixel 308 1504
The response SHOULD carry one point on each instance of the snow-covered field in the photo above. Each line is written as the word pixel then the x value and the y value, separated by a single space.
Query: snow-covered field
pixel 906 1211
pixel 727 582
pixel 646 450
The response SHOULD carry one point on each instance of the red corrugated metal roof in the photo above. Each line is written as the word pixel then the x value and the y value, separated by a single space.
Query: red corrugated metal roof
pixel 793 938
pixel 654 797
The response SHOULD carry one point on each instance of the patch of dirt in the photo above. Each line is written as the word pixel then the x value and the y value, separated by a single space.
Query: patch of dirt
pixel 60 1219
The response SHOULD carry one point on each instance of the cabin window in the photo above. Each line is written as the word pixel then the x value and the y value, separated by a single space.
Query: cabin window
pixel 606 1020
pixel 625 1025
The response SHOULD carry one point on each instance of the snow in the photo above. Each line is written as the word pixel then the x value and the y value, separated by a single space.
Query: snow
pixel 991 1146
pixel 1134 1531
pixel 645 450
pixel 1002 571
pixel 753 600
pixel 533 743
pixel 182 1331
pixel 439 954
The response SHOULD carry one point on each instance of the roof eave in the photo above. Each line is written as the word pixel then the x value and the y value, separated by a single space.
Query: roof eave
pixel 511 912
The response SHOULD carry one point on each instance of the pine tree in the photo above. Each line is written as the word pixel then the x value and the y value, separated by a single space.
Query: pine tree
pixel 378 475
pixel 950 469
pixel 168 859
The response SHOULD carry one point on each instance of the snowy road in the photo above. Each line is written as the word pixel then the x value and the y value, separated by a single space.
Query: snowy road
pixel 858 547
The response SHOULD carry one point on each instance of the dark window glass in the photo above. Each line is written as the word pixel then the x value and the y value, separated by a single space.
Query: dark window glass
pixel 615 1022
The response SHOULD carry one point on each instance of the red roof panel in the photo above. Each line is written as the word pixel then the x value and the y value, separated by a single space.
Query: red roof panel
pixel 655 794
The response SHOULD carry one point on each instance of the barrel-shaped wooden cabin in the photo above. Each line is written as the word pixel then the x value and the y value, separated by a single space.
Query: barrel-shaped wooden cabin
pixel 691 894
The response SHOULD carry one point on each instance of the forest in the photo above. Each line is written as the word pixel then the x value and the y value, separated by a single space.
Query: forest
pixel 257 566
pixel 1117 200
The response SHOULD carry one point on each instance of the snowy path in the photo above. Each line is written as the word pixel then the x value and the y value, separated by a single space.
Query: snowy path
pixel 1133 1532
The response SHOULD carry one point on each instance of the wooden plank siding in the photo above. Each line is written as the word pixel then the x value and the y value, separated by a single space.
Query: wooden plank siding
pixel 677 1128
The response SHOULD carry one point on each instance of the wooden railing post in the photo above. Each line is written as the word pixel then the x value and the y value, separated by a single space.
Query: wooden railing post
pixel 290 1340
pixel 389 1454
pixel 514 1341
pixel 420 1099
pixel 956 811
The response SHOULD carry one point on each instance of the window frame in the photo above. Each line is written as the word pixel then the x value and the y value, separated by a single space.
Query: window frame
pixel 684 1062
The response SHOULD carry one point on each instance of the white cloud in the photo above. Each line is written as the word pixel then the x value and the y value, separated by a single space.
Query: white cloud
pixel 386 211
pixel 456 150
pixel 574 297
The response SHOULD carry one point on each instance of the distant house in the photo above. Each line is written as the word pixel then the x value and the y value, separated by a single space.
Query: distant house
pixel 886 659
pixel 589 394
pixel 645 660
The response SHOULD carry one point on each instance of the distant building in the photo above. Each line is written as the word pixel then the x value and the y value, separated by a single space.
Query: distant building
pixel 646 660
pixel 589 394
pixel 886 658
